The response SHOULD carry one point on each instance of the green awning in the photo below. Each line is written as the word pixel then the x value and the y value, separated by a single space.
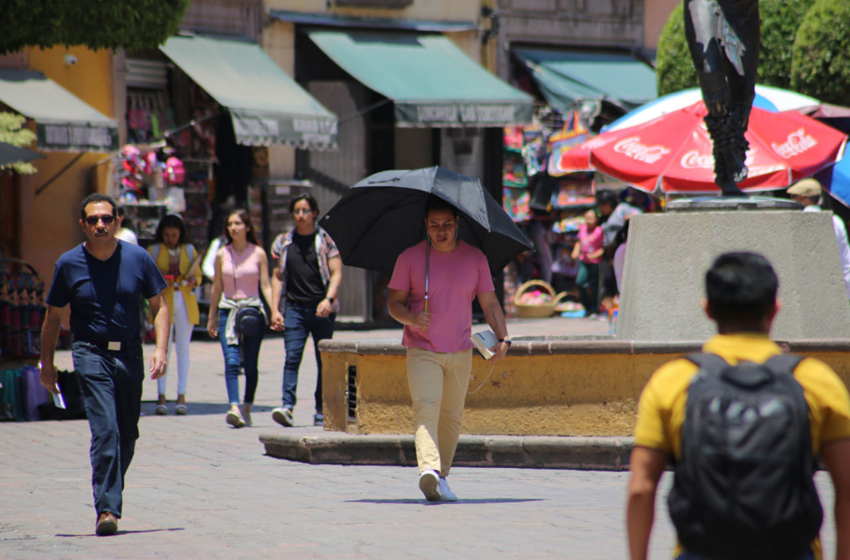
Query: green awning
pixel 430 80
pixel 267 106
pixel 62 120
pixel 567 78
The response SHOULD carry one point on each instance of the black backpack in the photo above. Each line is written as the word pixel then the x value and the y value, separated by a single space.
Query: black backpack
pixel 744 486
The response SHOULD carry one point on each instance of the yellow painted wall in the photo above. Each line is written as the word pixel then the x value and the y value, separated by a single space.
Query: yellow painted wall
pixel 560 394
pixel 50 220
pixel 279 44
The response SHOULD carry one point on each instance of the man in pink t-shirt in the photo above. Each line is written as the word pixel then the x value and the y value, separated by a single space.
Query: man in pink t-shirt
pixel 439 352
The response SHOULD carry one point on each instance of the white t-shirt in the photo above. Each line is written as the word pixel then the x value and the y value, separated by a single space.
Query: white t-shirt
pixel 127 236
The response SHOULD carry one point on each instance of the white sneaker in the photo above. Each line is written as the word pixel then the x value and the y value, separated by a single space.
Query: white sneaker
pixel 283 416
pixel 429 483
pixel 446 493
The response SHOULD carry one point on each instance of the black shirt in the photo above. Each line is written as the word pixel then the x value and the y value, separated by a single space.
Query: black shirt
pixel 303 277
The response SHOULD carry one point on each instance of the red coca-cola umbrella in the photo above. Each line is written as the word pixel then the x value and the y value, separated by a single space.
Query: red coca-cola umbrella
pixel 672 153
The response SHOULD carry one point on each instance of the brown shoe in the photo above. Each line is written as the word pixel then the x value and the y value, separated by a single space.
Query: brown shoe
pixel 107 524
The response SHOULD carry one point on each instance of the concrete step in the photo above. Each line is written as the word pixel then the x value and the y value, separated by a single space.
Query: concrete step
pixel 315 446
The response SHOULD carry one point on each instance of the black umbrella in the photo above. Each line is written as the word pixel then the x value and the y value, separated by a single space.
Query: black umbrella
pixel 13 154
pixel 384 214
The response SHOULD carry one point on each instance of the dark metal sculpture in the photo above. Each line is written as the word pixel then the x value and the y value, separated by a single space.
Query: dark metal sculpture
pixel 723 37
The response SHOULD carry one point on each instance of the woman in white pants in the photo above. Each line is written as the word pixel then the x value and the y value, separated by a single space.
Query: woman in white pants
pixel 175 259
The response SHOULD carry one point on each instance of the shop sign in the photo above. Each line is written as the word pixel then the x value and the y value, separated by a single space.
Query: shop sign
pixel 283 129
pixel 460 114
pixel 77 137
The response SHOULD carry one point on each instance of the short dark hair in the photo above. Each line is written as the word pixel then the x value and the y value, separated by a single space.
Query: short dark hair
pixel 245 216
pixel 434 202
pixel 314 206
pixel 608 198
pixel 97 197
pixel 171 221
pixel 741 289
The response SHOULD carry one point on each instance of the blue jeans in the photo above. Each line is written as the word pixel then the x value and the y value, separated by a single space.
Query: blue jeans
pixel 299 322
pixel 112 392
pixel 250 355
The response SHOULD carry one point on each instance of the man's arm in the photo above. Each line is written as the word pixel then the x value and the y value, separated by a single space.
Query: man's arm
pixel 397 307
pixel 277 288
pixel 162 326
pixel 836 457
pixel 495 317
pixel 49 338
pixel 325 307
pixel 646 466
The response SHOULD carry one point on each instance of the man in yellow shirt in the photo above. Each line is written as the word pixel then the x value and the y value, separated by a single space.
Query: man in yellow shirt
pixel 741 299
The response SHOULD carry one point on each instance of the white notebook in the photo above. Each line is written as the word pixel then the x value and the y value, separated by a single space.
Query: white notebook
pixel 483 341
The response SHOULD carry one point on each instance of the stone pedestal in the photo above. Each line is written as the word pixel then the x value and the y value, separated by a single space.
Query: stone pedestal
pixel 668 254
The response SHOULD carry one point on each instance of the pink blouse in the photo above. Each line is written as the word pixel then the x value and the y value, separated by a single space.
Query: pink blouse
pixel 590 242
pixel 241 273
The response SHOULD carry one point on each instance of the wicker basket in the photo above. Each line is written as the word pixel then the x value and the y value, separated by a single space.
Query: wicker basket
pixel 537 311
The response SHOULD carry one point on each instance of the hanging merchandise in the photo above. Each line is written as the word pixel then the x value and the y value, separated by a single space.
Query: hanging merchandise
pixel 516 204
pixel 175 174
pixel 514 137
pixel 569 223
pixel 573 134
pixel 513 170
pixel 22 310
pixel 575 190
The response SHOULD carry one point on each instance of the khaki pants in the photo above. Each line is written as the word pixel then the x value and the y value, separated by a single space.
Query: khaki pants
pixel 438 384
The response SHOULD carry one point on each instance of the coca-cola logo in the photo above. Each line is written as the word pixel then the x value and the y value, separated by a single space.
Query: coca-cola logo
pixel 695 160
pixel 797 143
pixel 631 147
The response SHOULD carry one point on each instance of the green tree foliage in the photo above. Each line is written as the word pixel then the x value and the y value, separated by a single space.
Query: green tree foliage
pixel 12 132
pixel 674 69
pixel 97 24
pixel 821 54
pixel 779 21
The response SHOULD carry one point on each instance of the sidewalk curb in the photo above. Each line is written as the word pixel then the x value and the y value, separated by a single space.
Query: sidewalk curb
pixel 540 452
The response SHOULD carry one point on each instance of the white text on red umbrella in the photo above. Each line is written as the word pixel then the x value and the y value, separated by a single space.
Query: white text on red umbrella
pixel 797 143
pixel 631 147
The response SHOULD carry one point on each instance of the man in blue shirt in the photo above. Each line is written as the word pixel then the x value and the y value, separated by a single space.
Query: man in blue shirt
pixel 103 280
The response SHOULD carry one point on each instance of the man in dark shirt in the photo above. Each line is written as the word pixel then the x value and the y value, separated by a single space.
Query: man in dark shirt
pixel 103 280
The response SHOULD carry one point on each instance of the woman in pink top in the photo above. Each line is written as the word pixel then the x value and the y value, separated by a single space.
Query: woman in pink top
pixel 588 251
pixel 241 272
pixel 439 352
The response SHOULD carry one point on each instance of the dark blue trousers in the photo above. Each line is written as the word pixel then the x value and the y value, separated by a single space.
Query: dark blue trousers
pixel 300 321
pixel 112 390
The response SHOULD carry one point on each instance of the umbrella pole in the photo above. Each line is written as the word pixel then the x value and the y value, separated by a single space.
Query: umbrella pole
pixel 427 273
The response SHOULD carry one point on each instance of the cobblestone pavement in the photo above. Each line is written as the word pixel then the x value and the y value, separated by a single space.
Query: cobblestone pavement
pixel 199 489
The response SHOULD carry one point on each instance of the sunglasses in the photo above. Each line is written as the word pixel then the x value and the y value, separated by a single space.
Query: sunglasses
pixel 106 219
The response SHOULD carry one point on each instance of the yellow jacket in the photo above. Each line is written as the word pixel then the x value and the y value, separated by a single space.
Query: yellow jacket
pixel 168 293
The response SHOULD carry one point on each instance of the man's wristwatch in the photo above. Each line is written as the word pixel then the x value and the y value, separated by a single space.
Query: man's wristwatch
pixel 330 299
pixel 506 341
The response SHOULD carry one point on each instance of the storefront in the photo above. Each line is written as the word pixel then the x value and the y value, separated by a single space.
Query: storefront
pixel 202 112
pixel 217 104
pixel 408 97
pixel 62 123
